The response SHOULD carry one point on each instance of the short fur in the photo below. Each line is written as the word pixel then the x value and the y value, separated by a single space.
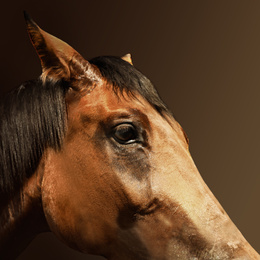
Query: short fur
pixel 33 117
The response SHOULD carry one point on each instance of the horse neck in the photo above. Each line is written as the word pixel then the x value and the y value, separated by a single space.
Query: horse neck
pixel 23 221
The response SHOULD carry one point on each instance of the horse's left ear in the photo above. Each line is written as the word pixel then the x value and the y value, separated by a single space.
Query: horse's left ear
pixel 58 59
pixel 127 58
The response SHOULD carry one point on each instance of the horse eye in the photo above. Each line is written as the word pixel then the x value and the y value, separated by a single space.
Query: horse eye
pixel 125 133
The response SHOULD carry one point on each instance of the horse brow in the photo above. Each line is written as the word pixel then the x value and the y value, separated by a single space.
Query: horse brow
pixel 129 113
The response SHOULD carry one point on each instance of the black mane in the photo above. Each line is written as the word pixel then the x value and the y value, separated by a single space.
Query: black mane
pixel 33 117
pixel 126 78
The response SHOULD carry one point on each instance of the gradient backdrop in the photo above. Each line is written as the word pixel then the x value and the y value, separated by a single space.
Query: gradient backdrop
pixel 204 58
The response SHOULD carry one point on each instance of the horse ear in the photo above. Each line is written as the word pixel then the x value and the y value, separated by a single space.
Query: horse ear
pixel 127 58
pixel 58 59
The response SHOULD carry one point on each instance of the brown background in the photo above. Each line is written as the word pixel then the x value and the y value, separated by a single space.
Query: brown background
pixel 204 58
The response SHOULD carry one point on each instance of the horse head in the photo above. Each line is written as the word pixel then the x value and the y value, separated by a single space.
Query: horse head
pixel 123 183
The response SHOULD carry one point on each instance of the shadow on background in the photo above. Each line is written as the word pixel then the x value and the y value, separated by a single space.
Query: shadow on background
pixel 47 246
pixel 204 58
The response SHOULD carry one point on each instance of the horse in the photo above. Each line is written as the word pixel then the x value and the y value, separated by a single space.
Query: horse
pixel 90 152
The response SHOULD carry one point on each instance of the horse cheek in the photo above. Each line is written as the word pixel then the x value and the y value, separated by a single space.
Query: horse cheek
pixel 53 205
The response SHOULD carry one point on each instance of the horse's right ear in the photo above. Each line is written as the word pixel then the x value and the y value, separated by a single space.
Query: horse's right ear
pixel 58 59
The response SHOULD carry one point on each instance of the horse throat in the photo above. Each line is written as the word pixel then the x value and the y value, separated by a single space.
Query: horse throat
pixel 19 227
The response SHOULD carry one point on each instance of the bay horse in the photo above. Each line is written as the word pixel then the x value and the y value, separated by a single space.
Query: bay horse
pixel 90 152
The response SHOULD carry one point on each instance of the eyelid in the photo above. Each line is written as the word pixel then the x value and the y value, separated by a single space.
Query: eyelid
pixel 124 123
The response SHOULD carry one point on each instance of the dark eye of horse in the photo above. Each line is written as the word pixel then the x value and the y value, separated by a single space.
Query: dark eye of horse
pixel 125 133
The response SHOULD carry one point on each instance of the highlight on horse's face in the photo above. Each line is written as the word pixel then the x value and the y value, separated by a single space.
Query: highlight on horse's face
pixel 124 184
